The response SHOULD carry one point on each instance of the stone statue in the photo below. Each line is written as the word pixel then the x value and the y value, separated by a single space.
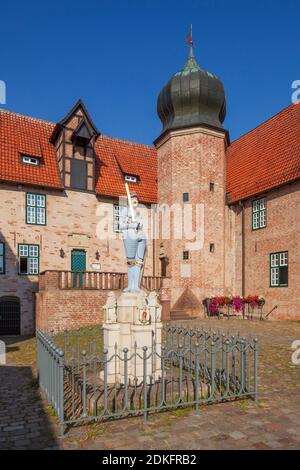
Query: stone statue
pixel 131 225
pixel 110 308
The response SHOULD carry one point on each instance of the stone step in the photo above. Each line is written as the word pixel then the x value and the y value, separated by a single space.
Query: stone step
pixel 181 315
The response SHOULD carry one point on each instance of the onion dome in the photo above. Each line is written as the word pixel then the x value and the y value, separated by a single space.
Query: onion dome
pixel 192 97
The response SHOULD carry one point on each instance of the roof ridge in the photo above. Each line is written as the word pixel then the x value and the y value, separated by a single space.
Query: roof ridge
pixel 127 141
pixel 25 116
pixel 263 122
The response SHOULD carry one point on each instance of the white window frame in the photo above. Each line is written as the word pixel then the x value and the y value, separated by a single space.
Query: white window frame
pixel 259 218
pixel 277 260
pixel 116 218
pixel 35 209
pixel 32 253
pixel 35 161
pixel 130 178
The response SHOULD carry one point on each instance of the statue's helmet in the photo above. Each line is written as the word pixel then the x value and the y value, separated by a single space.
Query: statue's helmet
pixel 134 195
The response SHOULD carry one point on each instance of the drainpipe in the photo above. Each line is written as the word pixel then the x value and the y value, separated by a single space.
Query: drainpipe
pixel 154 212
pixel 241 204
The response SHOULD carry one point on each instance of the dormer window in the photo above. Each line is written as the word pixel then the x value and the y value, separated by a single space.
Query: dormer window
pixel 27 160
pixel 74 140
pixel 131 178
pixel 82 135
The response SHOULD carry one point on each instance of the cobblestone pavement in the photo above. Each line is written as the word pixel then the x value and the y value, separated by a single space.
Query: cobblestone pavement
pixel 272 423
pixel 24 423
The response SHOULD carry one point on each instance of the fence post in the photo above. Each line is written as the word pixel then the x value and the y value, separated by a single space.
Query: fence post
pixel 242 364
pixel 213 368
pixel 180 352
pixel 61 408
pixel 227 342
pixel 233 368
pixel 125 350
pixel 222 354
pixel 145 384
pixel 205 354
pixel 256 369
pixel 38 355
pixel 196 371
pixel 105 359
pixel 163 375
pixel 83 354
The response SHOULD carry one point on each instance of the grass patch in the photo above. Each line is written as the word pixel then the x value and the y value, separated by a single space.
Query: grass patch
pixel 180 412
pixel 50 411
pixel 34 382
pixel 244 405
pixel 87 338
pixel 21 351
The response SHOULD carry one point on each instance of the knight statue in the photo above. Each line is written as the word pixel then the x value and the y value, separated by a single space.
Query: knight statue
pixel 131 225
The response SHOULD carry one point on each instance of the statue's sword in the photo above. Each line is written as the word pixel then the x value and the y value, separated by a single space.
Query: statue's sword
pixel 129 202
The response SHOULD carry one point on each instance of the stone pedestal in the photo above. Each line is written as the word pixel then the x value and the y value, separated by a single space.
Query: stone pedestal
pixel 132 323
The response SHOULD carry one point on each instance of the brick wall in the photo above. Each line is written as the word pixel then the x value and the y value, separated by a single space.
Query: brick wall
pixel 59 310
pixel 188 161
pixel 64 309
pixel 68 213
pixel 280 234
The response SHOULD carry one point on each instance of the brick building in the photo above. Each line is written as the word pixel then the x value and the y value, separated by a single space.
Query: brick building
pixel 58 179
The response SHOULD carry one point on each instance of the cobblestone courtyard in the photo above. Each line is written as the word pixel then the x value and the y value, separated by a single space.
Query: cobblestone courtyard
pixel 273 423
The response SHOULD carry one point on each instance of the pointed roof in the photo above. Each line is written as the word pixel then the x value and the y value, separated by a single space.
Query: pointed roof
pixel 192 97
pixel 79 104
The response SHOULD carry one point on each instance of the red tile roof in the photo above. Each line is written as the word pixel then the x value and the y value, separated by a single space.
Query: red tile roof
pixel 25 135
pixel 115 155
pixel 266 157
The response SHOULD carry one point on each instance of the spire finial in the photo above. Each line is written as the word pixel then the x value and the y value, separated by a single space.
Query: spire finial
pixel 189 40
pixel 191 62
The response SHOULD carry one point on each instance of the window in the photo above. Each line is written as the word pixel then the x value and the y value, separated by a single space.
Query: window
pixel 36 209
pixel 212 247
pixel 35 161
pixel 29 259
pixel 130 178
pixel 2 258
pixel 212 187
pixel 185 197
pixel 78 174
pixel 185 255
pixel 116 218
pixel 279 269
pixel 259 213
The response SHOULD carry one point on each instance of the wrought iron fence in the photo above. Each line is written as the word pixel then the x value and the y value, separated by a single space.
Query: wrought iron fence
pixel 193 367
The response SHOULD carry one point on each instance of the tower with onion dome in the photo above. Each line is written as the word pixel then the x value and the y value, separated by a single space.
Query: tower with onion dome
pixel 191 176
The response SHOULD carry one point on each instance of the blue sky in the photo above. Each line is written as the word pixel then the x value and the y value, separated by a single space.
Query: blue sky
pixel 117 55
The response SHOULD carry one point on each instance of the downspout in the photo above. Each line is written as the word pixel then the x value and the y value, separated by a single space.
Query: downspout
pixel 241 204
pixel 153 210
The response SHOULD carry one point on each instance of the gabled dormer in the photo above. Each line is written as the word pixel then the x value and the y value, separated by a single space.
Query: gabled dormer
pixel 74 141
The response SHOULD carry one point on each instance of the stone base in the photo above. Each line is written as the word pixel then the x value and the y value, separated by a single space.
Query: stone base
pixel 137 326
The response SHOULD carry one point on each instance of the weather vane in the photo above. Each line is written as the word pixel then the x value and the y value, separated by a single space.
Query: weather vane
pixel 189 38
